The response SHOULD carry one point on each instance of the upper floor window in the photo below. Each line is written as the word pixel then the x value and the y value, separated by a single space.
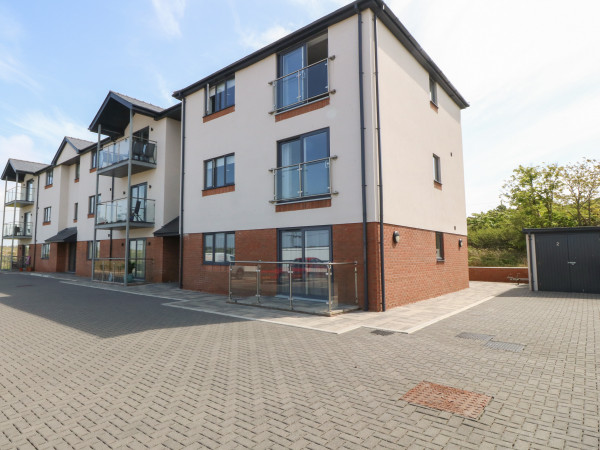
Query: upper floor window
pixel 302 73
pixel 47 214
pixel 94 162
pixel 92 204
pixel 220 96
pixel 433 91
pixel 219 172
pixel 439 246
pixel 29 191
pixel 75 211
pixel 303 167
pixel 437 169
pixel 77 167
pixel 49 177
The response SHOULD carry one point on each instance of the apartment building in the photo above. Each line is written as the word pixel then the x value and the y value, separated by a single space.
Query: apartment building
pixel 340 142
pixel 326 163
pixel 73 211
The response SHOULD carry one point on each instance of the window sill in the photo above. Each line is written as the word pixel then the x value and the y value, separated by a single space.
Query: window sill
pixel 218 190
pixel 303 204
pixel 433 106
pixel 46 223
pixel 90 216
pixel 440 260
pixel 93 170
pixel 74 220
pixel 76 180
pixel 437 185
pixel 48 186
pixel 217 114
pixel 302 109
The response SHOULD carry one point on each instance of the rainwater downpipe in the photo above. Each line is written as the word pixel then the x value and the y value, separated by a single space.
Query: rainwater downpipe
pixel 181 193
pixel 362 161
pixel 380 167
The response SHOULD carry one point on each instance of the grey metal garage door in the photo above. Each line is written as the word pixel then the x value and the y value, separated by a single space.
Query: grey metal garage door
pixel 568 262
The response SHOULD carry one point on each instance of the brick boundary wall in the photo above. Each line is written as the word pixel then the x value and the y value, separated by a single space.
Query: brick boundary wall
pixel 497 274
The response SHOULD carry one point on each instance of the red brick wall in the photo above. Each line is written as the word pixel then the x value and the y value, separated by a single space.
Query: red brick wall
pixel 498 274
pixel 56 261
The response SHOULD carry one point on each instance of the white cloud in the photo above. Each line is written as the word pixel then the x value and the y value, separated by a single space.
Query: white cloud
pixel 318 8
pixel 169 13
pixel 12 71
pixel 51 128
pixel 255 40
pixel 165 92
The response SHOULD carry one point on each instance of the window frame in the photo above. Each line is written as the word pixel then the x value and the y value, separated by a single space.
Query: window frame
pixel 208 105
pixel 433 97
pixel 437 169
pixel 439 246
pixel 77 170
pixel 94 159
pixel 90 247
pixel 226 240
pixel 50 177
pixel 45 251
pixel 47 214
pixel 75 210
pixel 214 172
pixel 93 201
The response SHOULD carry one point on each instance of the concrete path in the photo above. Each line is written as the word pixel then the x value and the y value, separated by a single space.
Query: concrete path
pixel 404 319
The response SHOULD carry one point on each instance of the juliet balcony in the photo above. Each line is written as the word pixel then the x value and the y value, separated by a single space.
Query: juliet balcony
pixel 303 181
pixel 113 158
pixel 17 230
pixel 19 197
pixel 114 214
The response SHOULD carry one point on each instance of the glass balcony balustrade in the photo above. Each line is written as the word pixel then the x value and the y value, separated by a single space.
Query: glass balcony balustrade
pixel 113 157
pixel 114 214
pixel 17 230
pixel 302 86
pixel 303 180
pixel 20 196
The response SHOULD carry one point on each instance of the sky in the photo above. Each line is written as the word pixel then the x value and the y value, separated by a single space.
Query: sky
pixel 530 69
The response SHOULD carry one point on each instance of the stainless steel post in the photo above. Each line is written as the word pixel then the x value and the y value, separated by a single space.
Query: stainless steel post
pixel 355 283
pixel 290 273
pixel 329 286
pixel 229 275
pixel 258 284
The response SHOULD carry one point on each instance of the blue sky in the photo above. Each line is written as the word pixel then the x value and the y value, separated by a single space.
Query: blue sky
pixel 530 69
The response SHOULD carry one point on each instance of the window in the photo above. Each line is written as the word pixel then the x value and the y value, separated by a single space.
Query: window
pixel 219 172
pixel 27 223
pixel 29 191
pixel 77 167
pixel 47 214
pixel 220 96
pixel 433 91
pixel 75 211
pixel 219 248
pixel 303 167
pixel 90 250
pixel 92 204
pixel 94 162
pixel 439 246
pixel 49 177
pixel 437 169
pixel 302 73
pixel 45 251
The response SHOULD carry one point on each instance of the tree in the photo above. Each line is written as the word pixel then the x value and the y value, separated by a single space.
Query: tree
pixel 582 188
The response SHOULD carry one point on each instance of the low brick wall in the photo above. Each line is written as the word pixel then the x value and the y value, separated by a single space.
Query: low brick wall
pixel 498 274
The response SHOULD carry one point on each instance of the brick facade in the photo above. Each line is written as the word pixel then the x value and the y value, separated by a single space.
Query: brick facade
pixel 412 271
pixel 498 274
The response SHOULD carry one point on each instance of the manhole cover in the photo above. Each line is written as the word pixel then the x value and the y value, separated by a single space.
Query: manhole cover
pixel 449 399
pixel 508 346
pixel 475 336
pixel 382 332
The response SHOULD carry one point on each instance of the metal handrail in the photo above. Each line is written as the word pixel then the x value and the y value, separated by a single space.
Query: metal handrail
pixel 19 193
pixel 301 192
pixel 301 69
pixel 304 163
pixel 324 263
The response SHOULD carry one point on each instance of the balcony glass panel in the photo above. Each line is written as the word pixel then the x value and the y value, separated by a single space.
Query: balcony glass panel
pixel 20 194
pixel 17 229
pixel 301 86
pixel 315 178
pixel 298 181
pixel 142 211
pixel 116 152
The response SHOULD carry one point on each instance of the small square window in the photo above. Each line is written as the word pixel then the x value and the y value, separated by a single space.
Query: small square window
pixel 220 96
pixel 219 248
pixel 49 177
pixel 47 214
pixel 433 91
pixel 439 246
pixel 437 169
pixel 75 211
pixel 219 172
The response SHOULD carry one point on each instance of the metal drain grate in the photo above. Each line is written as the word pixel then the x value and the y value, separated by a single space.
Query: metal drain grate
pixel 445 398
pixel 475 336
pixel 382 332
pixel 507 346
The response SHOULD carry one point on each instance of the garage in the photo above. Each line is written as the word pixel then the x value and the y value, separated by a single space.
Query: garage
pixel 564 259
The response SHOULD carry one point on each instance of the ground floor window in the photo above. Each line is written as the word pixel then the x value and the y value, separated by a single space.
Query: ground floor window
pixel 219 248
pixel 439 246
pixel 90 249
pixel 137 259
pixel 305 245
pixel 45 251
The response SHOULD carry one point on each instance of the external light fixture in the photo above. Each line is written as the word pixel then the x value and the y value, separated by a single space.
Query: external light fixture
pixel 460 243
pixel 396 237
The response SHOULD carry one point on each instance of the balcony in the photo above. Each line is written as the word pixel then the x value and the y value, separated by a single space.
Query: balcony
pixel 303 181
pixel 18 197
pixel 306 85
pixel 17 230
pixel 114 214
pixel 114 158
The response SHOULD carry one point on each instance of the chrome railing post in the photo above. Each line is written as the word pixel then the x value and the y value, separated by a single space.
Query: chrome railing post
pixel 299 97
pixel 229 281
pixel 258 283
pixel 355 283
pixel 300 180
pixel 329 286
pixel 291 296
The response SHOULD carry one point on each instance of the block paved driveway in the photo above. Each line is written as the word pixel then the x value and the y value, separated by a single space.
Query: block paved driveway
pixel 87 368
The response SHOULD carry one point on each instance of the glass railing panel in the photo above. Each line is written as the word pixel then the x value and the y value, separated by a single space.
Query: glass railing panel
pixel 301 86
pixel 117 152
pixel 316 80
pixel 315 178
pixel 18 229
pixel 142 210
pixel 21 194
pixel 287 180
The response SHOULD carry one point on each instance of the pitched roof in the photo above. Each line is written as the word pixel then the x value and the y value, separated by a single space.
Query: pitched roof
pixel 170 229
pixel 17 165
pixel 79 144
pixel 139 103
pixel 383 13
pixel 66 235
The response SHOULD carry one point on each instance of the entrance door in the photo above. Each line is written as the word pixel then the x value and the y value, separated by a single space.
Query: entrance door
pixel 72 257
pixel 137 258
pixel 306 245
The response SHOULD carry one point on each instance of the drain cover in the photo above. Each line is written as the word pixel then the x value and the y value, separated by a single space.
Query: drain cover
pixel 475 336
pixel 449 399
pixel 382 332
pixel 508 346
